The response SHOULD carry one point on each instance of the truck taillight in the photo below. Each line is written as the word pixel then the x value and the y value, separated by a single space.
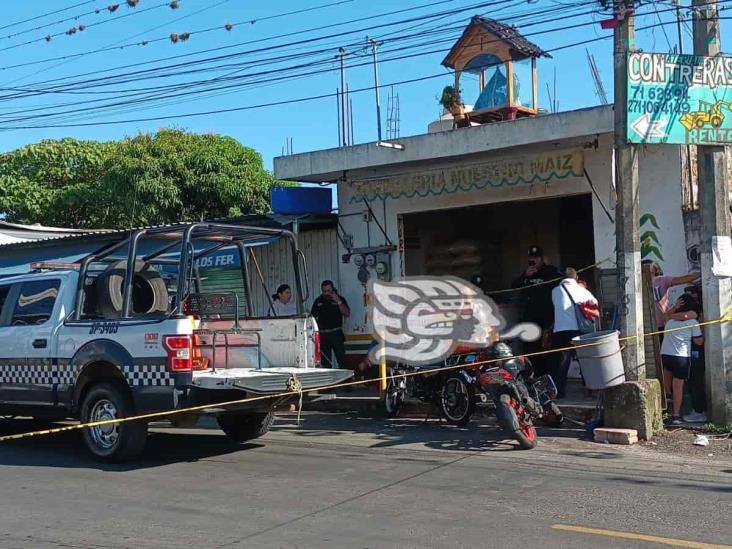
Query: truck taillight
pixel 316 339
pixel 180 352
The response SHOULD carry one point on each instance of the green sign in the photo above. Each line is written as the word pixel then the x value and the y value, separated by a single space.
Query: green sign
pixel 676 98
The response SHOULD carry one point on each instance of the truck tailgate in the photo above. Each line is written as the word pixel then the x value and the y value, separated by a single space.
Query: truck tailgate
pixel 268 380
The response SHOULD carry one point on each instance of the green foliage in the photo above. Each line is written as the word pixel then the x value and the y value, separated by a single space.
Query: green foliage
pixel 717 429
pixel 37 180
pixel 450 98
pixel 145 180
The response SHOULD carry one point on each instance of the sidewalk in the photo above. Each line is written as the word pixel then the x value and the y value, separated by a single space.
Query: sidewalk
pixel 366 400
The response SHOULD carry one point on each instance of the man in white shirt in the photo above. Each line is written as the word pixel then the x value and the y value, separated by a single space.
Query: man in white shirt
pixel 564 297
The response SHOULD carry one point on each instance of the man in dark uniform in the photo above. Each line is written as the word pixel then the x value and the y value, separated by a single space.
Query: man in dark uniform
pixel 329 310
pixel 536 300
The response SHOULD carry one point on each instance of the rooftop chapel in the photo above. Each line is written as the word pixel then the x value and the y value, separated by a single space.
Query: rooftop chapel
pixel 495 65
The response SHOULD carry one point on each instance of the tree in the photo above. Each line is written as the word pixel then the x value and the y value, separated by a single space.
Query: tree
pixel 167 177
pixel 36 180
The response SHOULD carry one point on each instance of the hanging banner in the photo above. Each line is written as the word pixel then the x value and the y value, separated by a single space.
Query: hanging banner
pixel 679 99
pixel 508 171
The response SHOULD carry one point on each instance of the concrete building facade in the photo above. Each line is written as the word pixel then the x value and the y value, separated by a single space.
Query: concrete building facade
pixel 471 201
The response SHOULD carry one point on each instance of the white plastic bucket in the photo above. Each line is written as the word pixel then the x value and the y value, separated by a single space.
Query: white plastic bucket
pixel 599 358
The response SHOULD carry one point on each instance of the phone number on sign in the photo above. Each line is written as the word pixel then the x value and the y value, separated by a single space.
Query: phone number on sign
pixel 661 106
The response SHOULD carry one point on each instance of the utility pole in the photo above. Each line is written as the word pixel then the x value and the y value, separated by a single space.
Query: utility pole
pixel 374 45
pixel 344 116
pixel 715 215
pixel 627 210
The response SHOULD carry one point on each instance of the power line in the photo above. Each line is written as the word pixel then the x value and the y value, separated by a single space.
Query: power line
pixel 221 48
pixel 441 29
pixel 513 16
pixel 49 37
pixel 197 12
pixel 276 78
pixel 665 34
pixel 301 99
pixel 280 77
pixel 115 79
pixel 46 14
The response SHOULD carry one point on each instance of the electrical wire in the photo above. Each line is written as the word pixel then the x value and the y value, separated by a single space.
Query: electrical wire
pixel 116 79
pixel 279 71
pixel 49 37
pixel 326 95
pixel 293 100
pixel 221 48
pixel 175 86
pixel 192 14
pixel 204 94
pixel 37 17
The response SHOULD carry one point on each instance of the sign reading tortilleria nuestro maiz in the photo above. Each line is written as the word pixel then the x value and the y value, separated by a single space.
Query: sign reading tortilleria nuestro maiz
pixel 510 171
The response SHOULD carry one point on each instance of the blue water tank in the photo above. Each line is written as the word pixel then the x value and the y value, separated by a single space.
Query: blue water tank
pixel 301 200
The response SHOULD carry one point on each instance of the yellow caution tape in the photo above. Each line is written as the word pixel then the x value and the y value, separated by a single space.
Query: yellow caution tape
pixel 552 281
pixel 301 391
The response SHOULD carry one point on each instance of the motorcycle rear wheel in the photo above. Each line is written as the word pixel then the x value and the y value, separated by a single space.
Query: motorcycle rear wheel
pixel 457 402
pixel 393 398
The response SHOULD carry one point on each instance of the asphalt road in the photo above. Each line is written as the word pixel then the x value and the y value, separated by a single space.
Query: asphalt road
pixel 349 482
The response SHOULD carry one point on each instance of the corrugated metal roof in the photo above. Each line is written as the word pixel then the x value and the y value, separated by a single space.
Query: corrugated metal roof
pixel 13 233
pixel 273 220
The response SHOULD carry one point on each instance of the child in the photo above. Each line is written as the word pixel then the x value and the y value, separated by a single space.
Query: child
pixel 676 353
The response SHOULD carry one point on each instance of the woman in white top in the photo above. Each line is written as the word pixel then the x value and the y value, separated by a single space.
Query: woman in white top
pixel 282 302
pixel 564 297
pixel 676 353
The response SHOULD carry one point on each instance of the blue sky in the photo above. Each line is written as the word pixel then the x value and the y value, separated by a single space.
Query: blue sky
pixel 311 125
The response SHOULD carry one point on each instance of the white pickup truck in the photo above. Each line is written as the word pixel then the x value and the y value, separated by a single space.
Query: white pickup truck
pixel 131 329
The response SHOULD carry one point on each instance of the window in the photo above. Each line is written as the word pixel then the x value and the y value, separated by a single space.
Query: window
pixel 35 302
pixel 4 291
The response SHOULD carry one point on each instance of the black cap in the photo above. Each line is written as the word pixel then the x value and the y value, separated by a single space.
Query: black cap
pixel 536 251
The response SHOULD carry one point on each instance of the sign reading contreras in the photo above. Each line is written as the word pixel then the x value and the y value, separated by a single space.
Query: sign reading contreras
pixel 509 171
pixel 676 98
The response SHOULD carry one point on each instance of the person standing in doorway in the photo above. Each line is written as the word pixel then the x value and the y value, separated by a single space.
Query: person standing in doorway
pixel 536 284
pixel 565 296
pixel 329 310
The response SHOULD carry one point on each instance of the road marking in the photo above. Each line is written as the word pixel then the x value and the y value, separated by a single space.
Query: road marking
pixel 639 537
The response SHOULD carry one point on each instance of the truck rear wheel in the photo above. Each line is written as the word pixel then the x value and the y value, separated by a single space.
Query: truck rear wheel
pixel 114 441
pixel 243 426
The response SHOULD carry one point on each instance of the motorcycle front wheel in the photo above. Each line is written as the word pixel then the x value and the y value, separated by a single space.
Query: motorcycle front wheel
pixel 526 435
pixel 457 402
pixel 520 429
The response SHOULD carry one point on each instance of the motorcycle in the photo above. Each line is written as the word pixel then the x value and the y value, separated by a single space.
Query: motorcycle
pixel 507 384
pixel 452 390
pixel 457 392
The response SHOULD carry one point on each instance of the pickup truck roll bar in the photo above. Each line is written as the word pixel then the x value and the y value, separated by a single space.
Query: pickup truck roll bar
pixel 184 235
